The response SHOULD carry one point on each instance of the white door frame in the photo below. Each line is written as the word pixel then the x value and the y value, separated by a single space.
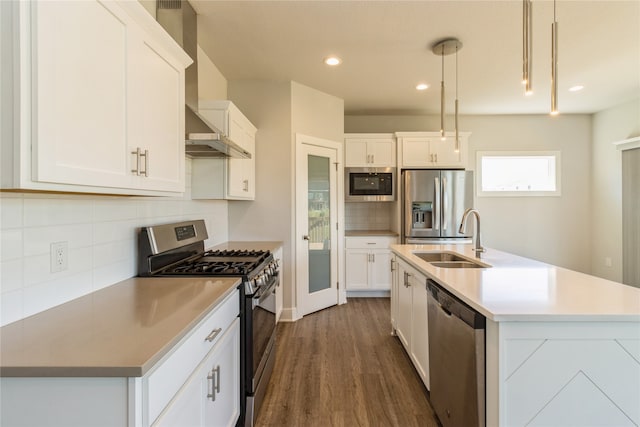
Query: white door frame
pixel 300 247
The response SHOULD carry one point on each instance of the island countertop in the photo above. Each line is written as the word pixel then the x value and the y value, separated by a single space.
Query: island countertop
pixel 118 331
pixel 515 288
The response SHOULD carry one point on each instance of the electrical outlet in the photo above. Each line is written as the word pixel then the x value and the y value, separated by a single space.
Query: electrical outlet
pixel 59 254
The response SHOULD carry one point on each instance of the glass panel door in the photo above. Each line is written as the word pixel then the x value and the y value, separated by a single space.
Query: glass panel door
pixel 319 216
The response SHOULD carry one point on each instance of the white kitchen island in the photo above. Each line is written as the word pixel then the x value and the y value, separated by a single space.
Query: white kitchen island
pixel 562 347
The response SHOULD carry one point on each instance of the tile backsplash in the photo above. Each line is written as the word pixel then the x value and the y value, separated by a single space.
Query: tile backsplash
pixel 368 215
pixel 101 232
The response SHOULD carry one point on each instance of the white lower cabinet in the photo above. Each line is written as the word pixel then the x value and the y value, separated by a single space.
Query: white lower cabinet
pixel 197 383
pixel 368 263
pixel 210 397
pixel 409 302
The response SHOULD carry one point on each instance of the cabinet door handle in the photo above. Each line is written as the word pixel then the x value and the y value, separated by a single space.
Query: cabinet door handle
pixel 436 157
pixel 137 168
pixel 212 336
pixel 211 391
pixel 406 279
pixel 213 383
pixel 245 185
pixel 217 371
pixel 146 163
pixel 373 257
pixel 392 266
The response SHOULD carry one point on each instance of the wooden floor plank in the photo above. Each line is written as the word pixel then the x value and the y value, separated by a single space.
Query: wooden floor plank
pixel 342 367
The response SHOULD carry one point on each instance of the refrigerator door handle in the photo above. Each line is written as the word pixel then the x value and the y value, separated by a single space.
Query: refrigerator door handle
pixel 445 204
pixel 436 209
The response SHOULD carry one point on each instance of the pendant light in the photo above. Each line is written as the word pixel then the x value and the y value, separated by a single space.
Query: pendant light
pixel 442 95
pixel 527 45
pixel 457 145
pixel 554 63
pixel 442 48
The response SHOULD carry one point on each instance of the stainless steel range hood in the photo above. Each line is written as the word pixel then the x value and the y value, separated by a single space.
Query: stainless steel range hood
pixel 202 138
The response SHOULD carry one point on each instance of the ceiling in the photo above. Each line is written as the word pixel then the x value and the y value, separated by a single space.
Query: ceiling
pixel 386 51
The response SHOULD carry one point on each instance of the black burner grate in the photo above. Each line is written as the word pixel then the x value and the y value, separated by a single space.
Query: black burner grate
pixel 220 263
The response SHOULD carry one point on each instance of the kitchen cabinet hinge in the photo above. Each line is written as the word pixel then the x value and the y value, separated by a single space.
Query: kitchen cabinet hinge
pixel 336 163
pixel 338 285
pixel 336 225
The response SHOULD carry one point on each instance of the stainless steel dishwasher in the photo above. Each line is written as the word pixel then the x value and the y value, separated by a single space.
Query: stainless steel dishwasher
pixel 456 359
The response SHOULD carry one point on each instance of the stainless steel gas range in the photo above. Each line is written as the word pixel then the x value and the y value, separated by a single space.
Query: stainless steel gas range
pixel 178 250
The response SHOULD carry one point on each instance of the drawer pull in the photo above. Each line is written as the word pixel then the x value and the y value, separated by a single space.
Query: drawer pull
pixel 212 336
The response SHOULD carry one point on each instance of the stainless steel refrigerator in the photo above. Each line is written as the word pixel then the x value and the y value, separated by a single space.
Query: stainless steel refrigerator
pixel 433 202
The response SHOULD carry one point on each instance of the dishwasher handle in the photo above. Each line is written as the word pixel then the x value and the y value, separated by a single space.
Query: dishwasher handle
pixel 453 306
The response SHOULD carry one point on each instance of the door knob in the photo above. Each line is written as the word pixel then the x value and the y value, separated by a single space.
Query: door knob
pixel 305 237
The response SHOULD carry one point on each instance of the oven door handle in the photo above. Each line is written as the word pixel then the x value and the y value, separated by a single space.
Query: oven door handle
pixel 259 298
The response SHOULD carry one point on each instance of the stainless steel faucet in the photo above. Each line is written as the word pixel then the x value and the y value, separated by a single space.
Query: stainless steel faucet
pixel 479 249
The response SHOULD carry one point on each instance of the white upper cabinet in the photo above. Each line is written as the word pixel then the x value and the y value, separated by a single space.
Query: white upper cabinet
pixel 232 179
pixel 370 150
pixel 100 90
pixel 428 150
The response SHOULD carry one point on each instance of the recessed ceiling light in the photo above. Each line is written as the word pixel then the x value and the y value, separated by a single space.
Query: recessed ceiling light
pixel 332 60
pixel 422 86
pixel 576 88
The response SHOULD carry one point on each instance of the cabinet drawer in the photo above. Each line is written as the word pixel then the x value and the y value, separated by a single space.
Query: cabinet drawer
pixel 167 378
pixel 373 242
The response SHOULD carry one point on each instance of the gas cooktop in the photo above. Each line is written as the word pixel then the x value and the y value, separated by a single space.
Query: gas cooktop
pixel 220 262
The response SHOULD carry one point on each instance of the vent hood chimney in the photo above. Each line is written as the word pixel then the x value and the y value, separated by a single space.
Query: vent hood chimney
pixel 202 139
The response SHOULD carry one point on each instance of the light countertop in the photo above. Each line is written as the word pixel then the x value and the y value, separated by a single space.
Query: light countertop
pixel 369 233
pixel 249 245
pixel 520 289
pixel 118 331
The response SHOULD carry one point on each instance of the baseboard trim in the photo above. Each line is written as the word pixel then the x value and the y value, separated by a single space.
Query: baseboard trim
pixel 368 294
pixel 289 315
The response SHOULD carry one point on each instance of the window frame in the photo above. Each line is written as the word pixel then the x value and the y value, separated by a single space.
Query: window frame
pixel 558 174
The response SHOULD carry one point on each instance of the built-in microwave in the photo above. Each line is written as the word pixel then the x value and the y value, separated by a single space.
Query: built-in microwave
pixel 370 184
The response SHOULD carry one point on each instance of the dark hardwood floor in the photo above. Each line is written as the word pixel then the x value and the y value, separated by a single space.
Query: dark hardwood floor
pixel 342 367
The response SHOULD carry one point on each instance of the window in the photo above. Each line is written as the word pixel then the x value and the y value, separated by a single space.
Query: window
pixel 518 173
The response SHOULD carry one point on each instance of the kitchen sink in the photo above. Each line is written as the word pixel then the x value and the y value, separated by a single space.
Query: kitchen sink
pixel 449 260
pixel 456 264
pixel 439 256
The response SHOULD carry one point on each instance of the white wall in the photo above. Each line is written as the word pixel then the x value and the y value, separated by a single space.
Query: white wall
pixel 101 232
pixel 615 124
pixel 279 110
pixel 267 104
pixel 316 113
pixel 550 229
pixel 212 85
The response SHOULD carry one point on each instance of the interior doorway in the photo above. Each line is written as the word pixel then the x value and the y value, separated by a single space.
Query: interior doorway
pixel 317 240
